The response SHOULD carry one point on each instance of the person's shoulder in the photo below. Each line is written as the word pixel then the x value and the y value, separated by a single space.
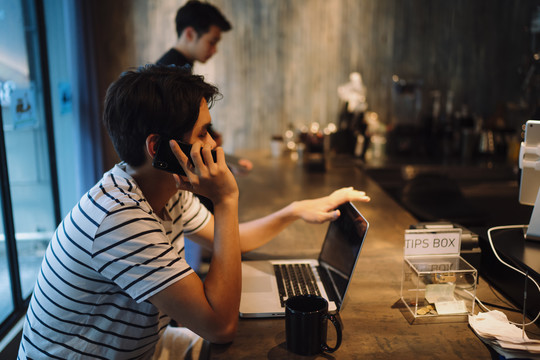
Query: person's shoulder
pixel 115 191
pixel 180 202
pixel 172 57
pixel 165 58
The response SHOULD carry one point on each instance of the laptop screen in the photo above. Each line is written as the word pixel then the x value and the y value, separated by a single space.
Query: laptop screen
pixel 342 246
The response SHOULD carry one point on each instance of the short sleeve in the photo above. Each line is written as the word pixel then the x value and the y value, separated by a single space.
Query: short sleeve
pixel 132 249
pixel 187 211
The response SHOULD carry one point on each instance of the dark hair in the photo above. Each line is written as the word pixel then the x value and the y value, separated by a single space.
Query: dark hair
pixel 153 99
pixel 200 15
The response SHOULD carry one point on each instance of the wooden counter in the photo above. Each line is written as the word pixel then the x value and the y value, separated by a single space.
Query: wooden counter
pixel 373 324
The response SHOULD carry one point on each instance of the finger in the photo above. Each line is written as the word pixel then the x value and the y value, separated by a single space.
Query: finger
pixel 350 191
pixel 245 164
pixel 355 195
pixel 180 156
pixel 181 184
pixel 342 190
pixel 207 156
pixel 328 216
pixel 348 194
pixel 177 180
pixel 220 155
pixel 335 214
pixel 196 154
pixel 359 196
pixel 341 194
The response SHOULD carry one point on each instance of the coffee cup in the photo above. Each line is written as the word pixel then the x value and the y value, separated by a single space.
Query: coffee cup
pixel 306 322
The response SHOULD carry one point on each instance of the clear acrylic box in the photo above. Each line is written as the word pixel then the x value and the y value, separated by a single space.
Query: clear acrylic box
pixel 438 286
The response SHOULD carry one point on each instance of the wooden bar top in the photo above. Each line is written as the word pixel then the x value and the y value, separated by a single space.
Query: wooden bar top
pixel 374 326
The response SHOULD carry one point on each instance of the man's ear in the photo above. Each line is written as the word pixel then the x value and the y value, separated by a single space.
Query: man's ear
pixel 152 142
pixel 191 33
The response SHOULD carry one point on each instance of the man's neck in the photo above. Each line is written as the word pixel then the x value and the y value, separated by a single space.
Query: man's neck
pixel 157 186
pixel 182 47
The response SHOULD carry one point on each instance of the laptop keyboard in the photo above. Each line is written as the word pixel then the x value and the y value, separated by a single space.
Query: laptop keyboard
pixel 295 279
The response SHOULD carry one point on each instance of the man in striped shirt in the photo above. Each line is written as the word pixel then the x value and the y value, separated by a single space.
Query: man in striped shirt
pixel 114 274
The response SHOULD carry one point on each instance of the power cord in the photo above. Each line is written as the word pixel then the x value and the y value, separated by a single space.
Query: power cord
pixel 501 307
pixel 527 276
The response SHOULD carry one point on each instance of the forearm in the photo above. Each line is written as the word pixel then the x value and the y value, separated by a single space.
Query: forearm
pixel 222 284
pixel 315 211
pixel 210 309
pixel 256 233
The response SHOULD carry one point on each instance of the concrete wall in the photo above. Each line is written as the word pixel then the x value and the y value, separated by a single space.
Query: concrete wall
pixel 284 59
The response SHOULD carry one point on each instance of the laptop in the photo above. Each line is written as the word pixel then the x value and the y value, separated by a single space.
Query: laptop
pixel 264 293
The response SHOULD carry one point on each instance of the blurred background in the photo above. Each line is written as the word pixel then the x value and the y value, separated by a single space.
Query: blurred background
pixel 283 60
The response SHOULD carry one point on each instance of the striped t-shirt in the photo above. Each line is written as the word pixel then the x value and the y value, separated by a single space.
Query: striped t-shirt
pixel 107 257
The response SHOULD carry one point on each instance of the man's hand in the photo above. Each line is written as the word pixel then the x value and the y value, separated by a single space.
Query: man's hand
pixel 242 167
pixel 320 210
pixel 209 178
pixel 209 308
pixel 258 232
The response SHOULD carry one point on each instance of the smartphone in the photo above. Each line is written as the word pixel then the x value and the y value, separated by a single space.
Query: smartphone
pixel 530 177
pixel 165 159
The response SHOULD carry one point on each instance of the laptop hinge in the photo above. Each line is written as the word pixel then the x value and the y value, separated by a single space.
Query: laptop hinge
pixel 329 285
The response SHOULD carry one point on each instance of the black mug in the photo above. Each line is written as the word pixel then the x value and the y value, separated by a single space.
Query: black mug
pixel 306 320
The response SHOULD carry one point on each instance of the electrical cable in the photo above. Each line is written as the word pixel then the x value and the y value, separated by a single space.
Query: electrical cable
pixel 505 227
pixel 479 302
pixel 501 307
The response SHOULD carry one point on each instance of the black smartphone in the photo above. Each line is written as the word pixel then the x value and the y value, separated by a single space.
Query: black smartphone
pixel 165 159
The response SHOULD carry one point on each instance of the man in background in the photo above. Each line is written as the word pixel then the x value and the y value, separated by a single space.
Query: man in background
pixel 199 26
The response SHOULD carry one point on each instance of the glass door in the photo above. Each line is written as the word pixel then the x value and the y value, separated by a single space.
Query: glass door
pixel 29 196
pixel 6 300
